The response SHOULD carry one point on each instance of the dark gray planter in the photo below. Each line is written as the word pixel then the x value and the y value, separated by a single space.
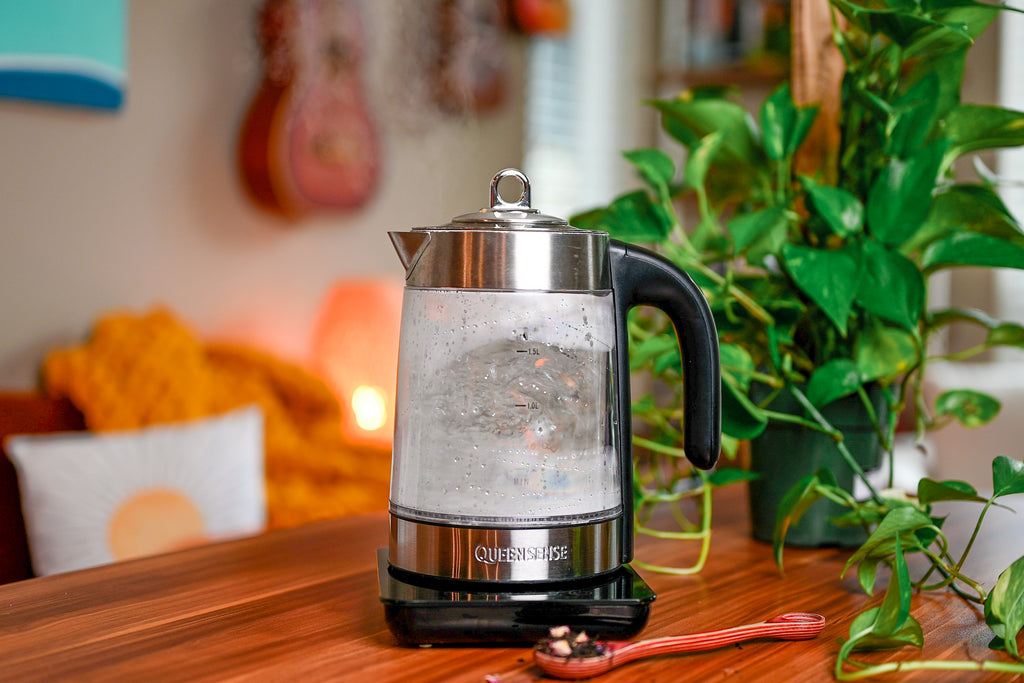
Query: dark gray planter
pixel 784 453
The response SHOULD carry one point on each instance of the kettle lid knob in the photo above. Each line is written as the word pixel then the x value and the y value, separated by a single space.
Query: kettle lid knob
pixel 515 214
pixel 524 196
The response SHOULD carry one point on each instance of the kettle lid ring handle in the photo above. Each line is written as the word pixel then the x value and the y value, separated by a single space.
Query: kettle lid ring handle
pixel 517 214
pixel 523 202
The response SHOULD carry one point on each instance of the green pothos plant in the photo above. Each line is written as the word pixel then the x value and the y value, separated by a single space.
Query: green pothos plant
pixel 819 288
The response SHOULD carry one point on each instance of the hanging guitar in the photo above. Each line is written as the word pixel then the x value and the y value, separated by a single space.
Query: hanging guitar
pixel 470 75
pixel 308 140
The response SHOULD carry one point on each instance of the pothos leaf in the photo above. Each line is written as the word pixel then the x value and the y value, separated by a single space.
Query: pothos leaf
pixel 1004 607
pixel 723 476
pixel 884 351
pixel 976 208
pixel 973 127
pixel 867 570
pixel 650 349
pixel 671 360
pixel 892 286
pixel 1007 476
pixel 904 29
pixel 931 491
pixel 938 40
pixel 690 117
pixel 740 417
pixel 843 212
pixel 971 408
pixel 863 639
pixel 631 217
pixel 761 232
pixel 698 112
pixel 900 522
pixel 971 249
pixel 783 125
pixel 656 167
pixel 737 361
pixel 829 277
pixel 699 161
pixel 901 197
pixel 833 380
pixel 896 604
pixel 916 111
pixel 643 405
pixel 889 625
pixel 865 513
pixel 777 115
pixel 972 16
pixel 804 493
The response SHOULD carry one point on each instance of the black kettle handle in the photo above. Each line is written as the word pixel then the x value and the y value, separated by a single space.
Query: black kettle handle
pixel 641 277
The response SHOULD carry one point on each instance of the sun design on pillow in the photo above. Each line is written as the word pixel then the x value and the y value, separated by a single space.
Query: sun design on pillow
pixel 155 520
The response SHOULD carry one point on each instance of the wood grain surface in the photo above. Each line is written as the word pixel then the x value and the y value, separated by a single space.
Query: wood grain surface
pixel 303 604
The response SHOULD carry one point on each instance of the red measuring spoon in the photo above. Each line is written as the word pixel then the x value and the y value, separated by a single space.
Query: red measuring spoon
pixel 613 653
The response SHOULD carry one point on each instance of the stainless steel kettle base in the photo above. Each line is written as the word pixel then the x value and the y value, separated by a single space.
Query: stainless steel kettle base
pixel 521 556
pixel 426 611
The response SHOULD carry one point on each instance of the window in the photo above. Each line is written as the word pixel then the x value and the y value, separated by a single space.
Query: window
pixel 1009 284
pixel 584 105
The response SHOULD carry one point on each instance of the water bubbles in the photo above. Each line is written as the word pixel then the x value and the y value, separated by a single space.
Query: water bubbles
pixel 520 438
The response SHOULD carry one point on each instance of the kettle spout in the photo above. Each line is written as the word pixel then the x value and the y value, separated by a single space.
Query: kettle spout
pixel 410 246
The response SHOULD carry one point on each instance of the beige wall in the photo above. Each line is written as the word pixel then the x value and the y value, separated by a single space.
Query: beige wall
pixel 143 206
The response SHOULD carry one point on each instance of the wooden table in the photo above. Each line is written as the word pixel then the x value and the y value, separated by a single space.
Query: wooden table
pixel 303 605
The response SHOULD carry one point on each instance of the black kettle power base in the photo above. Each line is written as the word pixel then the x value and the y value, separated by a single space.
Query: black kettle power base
pixel 427 611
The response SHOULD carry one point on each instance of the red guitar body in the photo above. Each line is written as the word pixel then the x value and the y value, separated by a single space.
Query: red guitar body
pixel 541 17
pixel 308 140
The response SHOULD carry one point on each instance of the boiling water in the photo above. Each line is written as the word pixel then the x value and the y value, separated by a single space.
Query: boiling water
pixel 504 404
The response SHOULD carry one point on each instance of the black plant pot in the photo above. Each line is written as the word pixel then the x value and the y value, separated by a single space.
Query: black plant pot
pixel 784 453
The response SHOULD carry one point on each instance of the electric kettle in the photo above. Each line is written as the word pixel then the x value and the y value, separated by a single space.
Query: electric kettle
pixel 512 459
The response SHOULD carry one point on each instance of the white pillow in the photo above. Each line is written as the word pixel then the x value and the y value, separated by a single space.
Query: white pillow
pixel 90 499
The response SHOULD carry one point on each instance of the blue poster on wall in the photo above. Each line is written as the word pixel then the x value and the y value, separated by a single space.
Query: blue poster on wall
pixel 63 51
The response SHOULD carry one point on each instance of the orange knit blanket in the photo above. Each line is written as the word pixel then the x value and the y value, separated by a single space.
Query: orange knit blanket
pixel 142 370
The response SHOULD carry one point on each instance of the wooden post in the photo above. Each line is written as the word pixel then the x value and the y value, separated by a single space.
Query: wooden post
pixel 817 76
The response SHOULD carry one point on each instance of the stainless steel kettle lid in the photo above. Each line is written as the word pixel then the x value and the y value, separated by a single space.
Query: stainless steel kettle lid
pixel 516 215
pixel 508 246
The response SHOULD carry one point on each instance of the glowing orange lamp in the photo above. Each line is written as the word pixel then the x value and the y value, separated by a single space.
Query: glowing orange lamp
pixel 355 350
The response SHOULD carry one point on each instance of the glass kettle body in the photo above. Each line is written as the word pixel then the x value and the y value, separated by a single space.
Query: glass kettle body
pixel 512 457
